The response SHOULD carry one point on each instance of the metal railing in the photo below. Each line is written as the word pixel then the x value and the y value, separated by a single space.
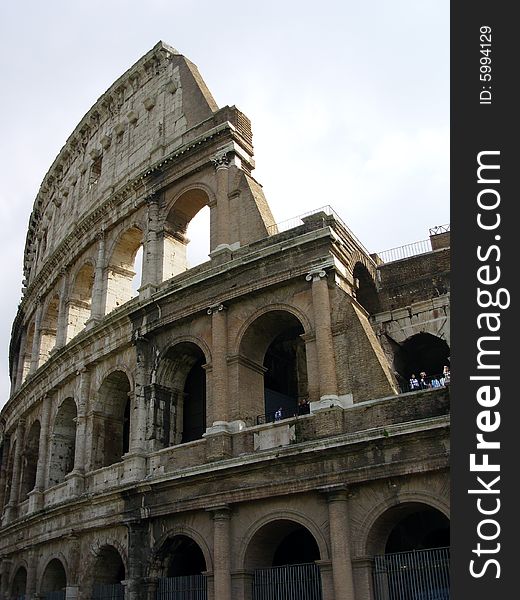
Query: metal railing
pixel 440 229
pixel 291 582
pixel 299 220
pixel 275 415
pixel 58 595
pixel 426 383
pixel 108 591
pixel 414 249
pixel 416 575
pixel 187 587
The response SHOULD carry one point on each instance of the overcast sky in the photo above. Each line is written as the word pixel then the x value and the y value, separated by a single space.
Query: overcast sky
pixel 349 102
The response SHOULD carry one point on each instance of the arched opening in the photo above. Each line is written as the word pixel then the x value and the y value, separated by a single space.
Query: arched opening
pixel 27 351
pixel 273 366
pixel 63 442
pixel 19 585
pixel 366 292
pixel 180 567
pixel 421 353
pixel 109 573
pixel 411 542
pixel 54 581
pixel 112 425
pixel 179 402
pixel 282 556
pixel 188 210
pixel 49 327
pixel 30 460
pixel 80 301
pixel 121 269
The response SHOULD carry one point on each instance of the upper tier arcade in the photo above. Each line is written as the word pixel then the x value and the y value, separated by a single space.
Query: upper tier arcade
pixel 137 168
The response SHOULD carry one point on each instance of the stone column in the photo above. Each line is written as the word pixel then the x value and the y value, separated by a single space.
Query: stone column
pixel 76 477
pixel 98 289
pixel 11 509
pixel 5 570
pixel 151 255
pixel 17 373
pixel 323 331
pixel 32 563
pixel 61 329
pixel 221 553
pixel 340 545
pixel 3 471
pixel 35 352
pixel 36 495
pixel 221 164
pixel 219 362
pixel 137 558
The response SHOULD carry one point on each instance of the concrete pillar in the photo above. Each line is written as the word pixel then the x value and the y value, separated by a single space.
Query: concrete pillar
pixel 363 570
pixel 340 545
pixel 219 362
pixel 35 352
pixel 12 505
pixel 323 331
pixel 151 275
pixel 36 495
pixel 21 360
pixel 5 570
pixel 98 289
pixel 137 559
pixel 221 163
pixel 32 564
pixel 61 329
pixel 222 553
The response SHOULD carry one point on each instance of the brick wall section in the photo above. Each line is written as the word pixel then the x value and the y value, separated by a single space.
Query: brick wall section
pixel 410 280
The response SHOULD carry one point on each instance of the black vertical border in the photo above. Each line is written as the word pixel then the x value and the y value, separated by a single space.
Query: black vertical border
pixel 475 128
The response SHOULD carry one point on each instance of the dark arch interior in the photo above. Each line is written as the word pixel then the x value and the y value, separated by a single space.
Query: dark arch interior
pixel 115 403
pixel 366 292
pixel 54 577
pixel 296 548
pixel 19 583
pixel 109 567
pixel 30 459
pixel 182 556
pixel 419 530
pixel 281 542
pixel 285 379
pixel 421 352
pixel 194 413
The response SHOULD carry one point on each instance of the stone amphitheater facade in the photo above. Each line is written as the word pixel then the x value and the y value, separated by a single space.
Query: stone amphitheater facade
pixel 139 450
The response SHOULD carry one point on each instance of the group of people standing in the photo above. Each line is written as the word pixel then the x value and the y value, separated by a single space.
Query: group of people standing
pixel 424 382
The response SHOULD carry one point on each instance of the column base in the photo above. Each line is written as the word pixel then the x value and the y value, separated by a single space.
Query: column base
pixel 76 483
pixel 225 427
pixel 135 466
pixel 147 291
pixel 35 500
pixel 329 401
pixel 10 514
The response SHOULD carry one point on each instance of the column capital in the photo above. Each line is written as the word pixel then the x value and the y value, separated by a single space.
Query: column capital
pixel 220 513
pixel 221 159
pixel 316 274
pixel 215 308
pixel 336 493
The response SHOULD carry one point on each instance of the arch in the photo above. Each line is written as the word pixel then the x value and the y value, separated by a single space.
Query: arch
pixel 422 352
pixel 54 577
pixel 365 288
pixel 27 351
pixel 298 519
pixel 376 524
pixel 273 364
pixel 80 300
pixel 120 268
pixel 179 397
pixel 181 211
pixel 112 423
pixel 108 573
pixel 63 442
pixel 30 460
pixel 49 328
pixel 156 566
pixel 179 555
pixel 19 583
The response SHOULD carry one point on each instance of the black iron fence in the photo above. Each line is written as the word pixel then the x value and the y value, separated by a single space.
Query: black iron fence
pixel 417 575
pixel 291 582
pixel 187 587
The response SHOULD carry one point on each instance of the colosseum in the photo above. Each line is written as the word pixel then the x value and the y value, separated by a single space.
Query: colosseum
pixel 271 424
